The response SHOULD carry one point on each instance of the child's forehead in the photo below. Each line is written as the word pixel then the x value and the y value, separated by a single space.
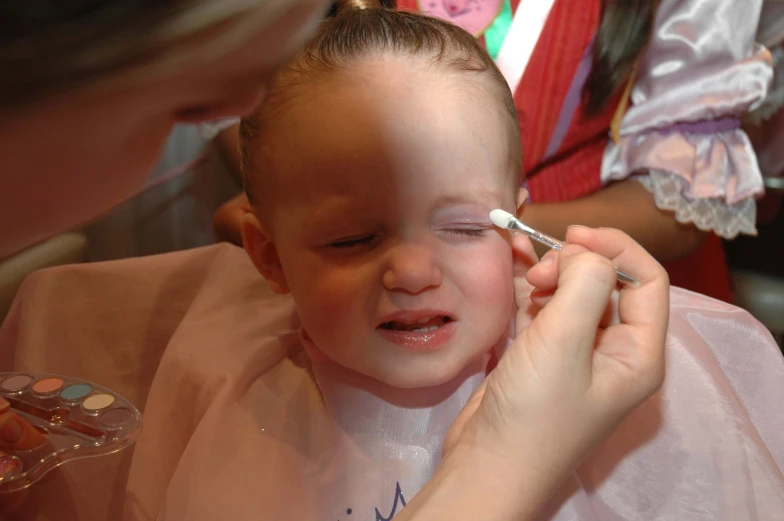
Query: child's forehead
pixel 336 210
pixel 391 113
pixel 395 86
pixel 389 127
pixel 357 156
pixel 351 195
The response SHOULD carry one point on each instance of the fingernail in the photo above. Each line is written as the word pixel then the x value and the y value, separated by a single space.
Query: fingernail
pixel 546 260
pixel 10 430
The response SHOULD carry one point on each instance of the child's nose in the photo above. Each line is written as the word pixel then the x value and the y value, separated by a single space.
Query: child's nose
pixel 412 268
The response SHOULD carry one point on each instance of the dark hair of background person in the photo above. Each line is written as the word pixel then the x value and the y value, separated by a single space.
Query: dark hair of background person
pixel 623 33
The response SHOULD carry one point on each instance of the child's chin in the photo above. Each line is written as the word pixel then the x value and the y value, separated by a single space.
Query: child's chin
pixel 420 379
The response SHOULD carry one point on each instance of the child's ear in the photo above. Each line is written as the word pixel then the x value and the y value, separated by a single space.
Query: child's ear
pixel 522 197
pixel 262 251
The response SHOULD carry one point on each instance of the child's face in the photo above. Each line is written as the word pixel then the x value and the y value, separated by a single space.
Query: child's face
pixel 380 228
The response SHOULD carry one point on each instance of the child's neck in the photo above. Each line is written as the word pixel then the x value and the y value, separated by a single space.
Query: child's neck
pixel 358 402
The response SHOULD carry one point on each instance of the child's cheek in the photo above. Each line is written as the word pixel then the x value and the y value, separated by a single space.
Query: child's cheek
pixel 329 300
pixel 492 276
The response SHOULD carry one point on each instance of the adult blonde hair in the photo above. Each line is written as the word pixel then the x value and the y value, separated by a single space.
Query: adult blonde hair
pixel 49 47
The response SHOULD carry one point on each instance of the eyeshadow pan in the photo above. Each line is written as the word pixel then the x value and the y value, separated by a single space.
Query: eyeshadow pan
pixel 47 385
pixel 116 417
pixel 76 418
pixel 16 383
pixel 75 392
pixel 97 402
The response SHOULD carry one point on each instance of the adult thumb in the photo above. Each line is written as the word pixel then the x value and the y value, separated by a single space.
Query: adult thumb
pixel 16 434
pixel 586 281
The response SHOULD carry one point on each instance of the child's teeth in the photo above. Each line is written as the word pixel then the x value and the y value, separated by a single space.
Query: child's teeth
pixel 425 329
pixel 426 324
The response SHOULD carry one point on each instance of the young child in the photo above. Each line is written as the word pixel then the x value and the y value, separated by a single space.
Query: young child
pixel 372 166
pixel 374 215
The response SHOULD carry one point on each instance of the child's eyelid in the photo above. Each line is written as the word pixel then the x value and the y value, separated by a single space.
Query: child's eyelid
pixel 466 221
pixel 467 226
pixel 352 240
pixel 466 231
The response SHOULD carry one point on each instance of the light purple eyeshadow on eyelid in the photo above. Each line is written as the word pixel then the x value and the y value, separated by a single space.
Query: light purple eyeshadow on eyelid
pixel 462 216
pixel 471 219
pixel 475 222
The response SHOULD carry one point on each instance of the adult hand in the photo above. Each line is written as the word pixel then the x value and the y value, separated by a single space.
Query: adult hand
pixel 16 434
pixel 573 372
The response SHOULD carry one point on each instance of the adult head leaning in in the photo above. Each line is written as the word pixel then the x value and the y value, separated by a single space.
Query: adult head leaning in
pixel 97 86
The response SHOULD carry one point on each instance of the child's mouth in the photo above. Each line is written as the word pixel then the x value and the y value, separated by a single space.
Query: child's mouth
pixel 423 325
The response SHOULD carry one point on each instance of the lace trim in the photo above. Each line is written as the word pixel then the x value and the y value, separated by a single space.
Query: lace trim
pixel 710 214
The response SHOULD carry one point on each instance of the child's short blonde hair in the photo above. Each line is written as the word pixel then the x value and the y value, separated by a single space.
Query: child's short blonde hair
pixel 361 30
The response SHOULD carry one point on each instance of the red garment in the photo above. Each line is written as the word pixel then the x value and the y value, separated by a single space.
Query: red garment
pixel 574 170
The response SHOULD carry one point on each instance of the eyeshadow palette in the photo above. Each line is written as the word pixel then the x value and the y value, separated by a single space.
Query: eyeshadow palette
pixel 78 419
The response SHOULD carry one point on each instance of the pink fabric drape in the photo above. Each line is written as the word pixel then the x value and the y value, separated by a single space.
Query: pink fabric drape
pixel 240 424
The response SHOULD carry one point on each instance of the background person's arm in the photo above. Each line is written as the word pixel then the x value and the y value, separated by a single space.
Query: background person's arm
pixel 627 206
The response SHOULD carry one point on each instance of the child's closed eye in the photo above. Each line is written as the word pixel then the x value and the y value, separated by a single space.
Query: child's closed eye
pixel 353 242
pixel 465 232
pixel 368 240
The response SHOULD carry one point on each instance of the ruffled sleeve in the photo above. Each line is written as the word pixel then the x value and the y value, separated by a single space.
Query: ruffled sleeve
pixel 701 73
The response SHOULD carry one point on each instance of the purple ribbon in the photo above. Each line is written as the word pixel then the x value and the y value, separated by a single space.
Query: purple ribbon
pixel 710 126
pixel 572 101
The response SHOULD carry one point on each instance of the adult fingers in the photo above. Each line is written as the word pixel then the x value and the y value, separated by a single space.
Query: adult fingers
pixel 646 305
pixel 16 434
pixel 573 315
